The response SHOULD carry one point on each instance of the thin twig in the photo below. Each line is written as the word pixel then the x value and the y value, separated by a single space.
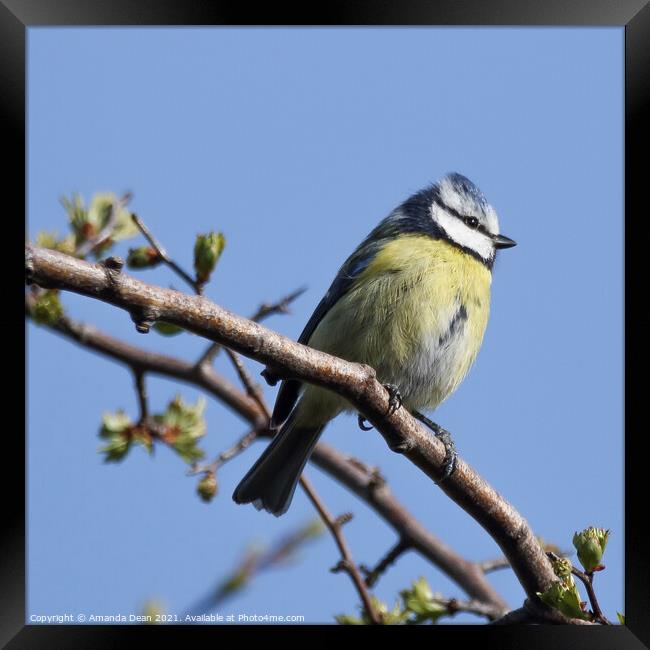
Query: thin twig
pixel 488 566
pixel 141 390
pixel 455 605
pixel 346 564
pixel 253 390
pixel 241 445
pixel 372 575
pixel 162 253
pixel 281 306
pixel 587 581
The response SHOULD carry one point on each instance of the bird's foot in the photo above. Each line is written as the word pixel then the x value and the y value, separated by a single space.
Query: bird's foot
pixel 449 463
pixel 361 421
pixel 451 455
pixel 394 398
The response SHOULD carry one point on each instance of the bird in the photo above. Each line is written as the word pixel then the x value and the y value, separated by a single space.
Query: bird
pixel 412 301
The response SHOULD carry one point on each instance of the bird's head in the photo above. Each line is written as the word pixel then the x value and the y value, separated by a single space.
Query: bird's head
pixel 465 217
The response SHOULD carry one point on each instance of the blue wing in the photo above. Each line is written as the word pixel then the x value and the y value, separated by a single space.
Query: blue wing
pixel 348 273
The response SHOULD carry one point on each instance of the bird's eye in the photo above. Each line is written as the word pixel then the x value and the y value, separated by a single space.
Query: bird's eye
pixel 471 222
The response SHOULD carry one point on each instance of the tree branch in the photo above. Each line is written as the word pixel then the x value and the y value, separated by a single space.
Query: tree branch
pixel 263 311
pixel 362 481
pixel 286 358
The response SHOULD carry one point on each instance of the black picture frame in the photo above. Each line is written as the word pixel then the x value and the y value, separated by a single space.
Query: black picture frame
pixel 18 15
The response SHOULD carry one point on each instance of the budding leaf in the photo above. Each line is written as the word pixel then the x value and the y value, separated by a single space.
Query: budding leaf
pixel 207 251
pixel 88 222
pixel 422 603
pixel 183 425
pixel 590 544
pixel 47 309
pixel 207 487
pixel 386 616
pixel 564 596
pixel 113 423
pixel 142 435
pixel 51 240
pixel 143 257
pixel 77 213
pixel 116 430
pixel 99 213
pixel 117 448
pixel 562 568
pixel 348 619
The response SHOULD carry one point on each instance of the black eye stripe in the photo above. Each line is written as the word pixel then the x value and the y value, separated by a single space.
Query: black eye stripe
pixel 458 215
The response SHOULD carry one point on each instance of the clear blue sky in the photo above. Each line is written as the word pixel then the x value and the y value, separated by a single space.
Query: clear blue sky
pixel 295 143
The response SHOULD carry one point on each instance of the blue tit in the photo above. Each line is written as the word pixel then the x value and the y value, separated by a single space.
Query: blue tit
pixel 412 301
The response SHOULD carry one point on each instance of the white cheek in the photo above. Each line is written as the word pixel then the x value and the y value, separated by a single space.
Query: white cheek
pixel 463 235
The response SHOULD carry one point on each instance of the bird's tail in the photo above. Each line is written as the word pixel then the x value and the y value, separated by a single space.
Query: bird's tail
pixel 272 480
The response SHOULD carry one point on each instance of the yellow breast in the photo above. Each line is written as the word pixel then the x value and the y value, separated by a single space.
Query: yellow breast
pixel 417 314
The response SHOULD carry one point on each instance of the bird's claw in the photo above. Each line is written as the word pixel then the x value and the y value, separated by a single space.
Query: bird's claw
pixel 449 463
pixel 394 398
pixel 361 421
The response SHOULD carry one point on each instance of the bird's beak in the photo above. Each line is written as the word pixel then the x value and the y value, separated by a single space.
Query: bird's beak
pixel 501 241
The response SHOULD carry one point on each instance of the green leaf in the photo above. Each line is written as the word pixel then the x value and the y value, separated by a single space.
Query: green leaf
pixel 621 618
